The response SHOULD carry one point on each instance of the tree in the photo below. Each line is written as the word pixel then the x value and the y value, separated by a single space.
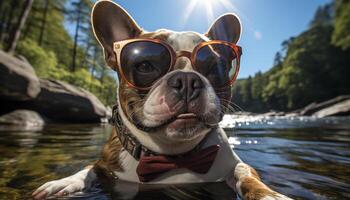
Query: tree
pixel 341 34
pixel 43 22
pixel 311 67
pixel 323 16
pixel 278 59
pixel 81 16
pixel 14 37
pixel 8 12
pixel 54 35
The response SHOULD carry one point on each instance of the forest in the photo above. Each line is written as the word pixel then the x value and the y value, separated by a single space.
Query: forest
pixel 311 67
pixel 36 30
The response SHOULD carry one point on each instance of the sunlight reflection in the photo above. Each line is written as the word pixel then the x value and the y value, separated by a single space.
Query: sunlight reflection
pixel 233 141
pixel 212 7
pixel 189 9
pixel 209 7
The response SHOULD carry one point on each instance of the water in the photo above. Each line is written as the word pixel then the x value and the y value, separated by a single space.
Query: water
pixel 305 158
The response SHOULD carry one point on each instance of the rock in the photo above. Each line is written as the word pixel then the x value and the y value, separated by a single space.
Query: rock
pixel 108 116
pixel 108 112
pixel 339 109
pixel 273 114
pixel 63 102
pixel 20 88
pixel 18 80
pixel 23 118
pixel 312 108
pixel 309 109
pixel 244 113
pixel 292 114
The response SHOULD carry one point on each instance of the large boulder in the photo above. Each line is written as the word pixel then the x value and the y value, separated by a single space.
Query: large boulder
pixel 339 109
pixel 18 81
pixel 22 118
pixel 63 102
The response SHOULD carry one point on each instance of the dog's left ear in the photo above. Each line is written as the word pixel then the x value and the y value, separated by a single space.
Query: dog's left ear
pixel 227 28
pixel 111 23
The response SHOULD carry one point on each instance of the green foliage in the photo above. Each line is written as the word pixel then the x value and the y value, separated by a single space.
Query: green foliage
pixel 341 35
pixel 55 36
pixel 323 15
pixel 43 61
pixel 313 69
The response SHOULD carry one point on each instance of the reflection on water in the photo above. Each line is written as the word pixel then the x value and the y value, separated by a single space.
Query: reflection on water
pixel 305 158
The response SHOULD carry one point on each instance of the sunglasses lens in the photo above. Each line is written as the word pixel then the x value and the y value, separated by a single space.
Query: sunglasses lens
pixel 218 63
pixel 143 62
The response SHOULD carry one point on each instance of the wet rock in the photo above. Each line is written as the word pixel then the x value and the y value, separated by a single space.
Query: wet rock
pixel 18 80
pixel 63 102
pixel 22 118
pixel 274 113
pixel 108 116
pixel 313 108
pixel 339 109
pixel 244 113
pixel 292 114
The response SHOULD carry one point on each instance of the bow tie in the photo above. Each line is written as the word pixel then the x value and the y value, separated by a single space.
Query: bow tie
pixel 150 167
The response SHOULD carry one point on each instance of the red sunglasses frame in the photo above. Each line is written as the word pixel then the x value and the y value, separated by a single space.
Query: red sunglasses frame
pixel 174 55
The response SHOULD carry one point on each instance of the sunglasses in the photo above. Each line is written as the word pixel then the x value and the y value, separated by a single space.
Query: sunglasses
pixel 141 62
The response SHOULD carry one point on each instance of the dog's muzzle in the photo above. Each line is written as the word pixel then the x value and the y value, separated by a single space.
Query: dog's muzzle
pixel 187 85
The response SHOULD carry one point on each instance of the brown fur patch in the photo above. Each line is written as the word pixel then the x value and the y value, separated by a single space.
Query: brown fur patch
pixel 254 173
pixel 109 160
pixel 130 99
pixel 254 189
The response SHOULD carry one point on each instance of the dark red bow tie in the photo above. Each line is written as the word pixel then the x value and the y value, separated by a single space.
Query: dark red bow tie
pixel 150 167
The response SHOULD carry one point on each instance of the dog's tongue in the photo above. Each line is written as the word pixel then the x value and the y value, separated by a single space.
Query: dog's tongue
pixel 186 116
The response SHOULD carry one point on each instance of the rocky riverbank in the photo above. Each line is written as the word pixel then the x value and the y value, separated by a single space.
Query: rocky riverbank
pixel 338 106
pixel 26 98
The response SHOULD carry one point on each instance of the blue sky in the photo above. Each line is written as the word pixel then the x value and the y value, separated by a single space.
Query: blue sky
pixel 266 23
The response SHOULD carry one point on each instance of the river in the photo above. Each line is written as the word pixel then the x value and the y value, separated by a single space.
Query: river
pixel 302 157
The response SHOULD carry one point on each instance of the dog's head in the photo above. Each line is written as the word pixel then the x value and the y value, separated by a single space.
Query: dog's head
pixel 181 103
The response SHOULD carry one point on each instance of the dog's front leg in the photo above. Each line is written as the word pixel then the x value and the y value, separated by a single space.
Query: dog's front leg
pixel 247 183
pixel 71 184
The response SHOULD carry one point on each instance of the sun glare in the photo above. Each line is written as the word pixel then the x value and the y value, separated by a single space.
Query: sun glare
pixel 209 6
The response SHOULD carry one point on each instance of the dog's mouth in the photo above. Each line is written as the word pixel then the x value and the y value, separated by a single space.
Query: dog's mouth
pixel 183 120
pixel 187 116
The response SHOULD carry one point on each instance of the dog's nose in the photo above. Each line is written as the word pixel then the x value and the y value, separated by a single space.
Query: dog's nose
pixel 187 84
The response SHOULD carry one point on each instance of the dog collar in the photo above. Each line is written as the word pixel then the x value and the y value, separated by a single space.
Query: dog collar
pixel 126 138
pixel 129 142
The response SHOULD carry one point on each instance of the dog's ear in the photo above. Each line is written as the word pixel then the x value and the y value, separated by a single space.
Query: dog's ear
pixel 227 28
pixel 111 23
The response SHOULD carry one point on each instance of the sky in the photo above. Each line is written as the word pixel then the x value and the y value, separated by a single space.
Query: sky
pixel 266 23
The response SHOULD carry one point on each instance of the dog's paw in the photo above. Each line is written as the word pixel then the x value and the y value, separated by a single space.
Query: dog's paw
pixel 61 187
pixel 253 189
pixel 249 186
pixel 65 186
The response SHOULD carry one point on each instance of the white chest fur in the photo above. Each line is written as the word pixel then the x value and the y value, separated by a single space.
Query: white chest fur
pixel 222 167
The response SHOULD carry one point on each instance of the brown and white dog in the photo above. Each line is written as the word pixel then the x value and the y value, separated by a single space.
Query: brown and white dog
pixel 167 119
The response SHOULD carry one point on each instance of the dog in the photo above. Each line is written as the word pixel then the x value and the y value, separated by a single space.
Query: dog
pixel 174 88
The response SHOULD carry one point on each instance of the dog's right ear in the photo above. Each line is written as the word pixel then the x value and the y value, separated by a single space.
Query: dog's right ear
pixel 111 23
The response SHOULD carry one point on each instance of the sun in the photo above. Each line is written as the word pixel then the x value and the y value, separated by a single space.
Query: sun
pixel 209 6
